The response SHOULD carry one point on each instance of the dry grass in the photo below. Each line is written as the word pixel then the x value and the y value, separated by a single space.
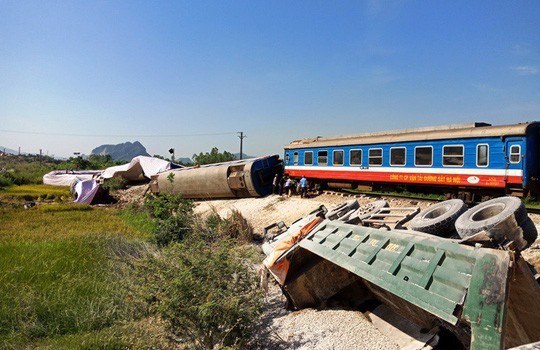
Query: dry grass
pixel 36 192
pixel 57 222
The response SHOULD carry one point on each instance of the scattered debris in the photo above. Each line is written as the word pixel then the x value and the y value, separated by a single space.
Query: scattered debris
pixel 480 295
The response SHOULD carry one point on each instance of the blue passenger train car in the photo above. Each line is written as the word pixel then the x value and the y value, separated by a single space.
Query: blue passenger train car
pixel 463 159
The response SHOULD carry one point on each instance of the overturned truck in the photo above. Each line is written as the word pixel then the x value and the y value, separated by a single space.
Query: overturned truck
pixel 487 298
pixel 240 178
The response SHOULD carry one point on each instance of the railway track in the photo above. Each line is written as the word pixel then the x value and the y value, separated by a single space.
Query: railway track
pixel 380 195
pixel 530 210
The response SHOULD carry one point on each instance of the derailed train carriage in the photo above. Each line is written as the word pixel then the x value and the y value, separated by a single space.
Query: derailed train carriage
pixel 240 178
pixel 469 161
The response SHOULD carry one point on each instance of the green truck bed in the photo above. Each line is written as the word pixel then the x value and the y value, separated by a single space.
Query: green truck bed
pixel 482 295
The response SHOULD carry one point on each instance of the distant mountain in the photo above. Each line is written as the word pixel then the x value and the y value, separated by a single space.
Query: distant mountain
pixel 8 150
pixel 183 160
pixel 244 156
pixel 123 151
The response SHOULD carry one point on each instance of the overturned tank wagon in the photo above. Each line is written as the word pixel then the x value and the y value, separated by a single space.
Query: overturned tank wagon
pixel 241 178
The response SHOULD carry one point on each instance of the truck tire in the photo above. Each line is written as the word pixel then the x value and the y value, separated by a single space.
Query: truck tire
pixel 486 215
pixel 439 219
pixel 342 209
pixel 365 211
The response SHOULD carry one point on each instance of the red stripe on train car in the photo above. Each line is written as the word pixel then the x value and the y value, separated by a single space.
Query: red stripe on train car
pixel 410 178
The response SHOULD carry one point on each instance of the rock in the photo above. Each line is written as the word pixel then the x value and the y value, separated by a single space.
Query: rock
pixel 123 151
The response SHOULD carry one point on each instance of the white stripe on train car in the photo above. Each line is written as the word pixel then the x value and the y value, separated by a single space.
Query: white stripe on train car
pixel 456 171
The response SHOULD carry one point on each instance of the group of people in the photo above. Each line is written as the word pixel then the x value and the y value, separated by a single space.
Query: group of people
pixel 286 185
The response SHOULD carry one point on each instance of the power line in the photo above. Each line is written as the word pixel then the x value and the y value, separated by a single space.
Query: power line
pixel 112 135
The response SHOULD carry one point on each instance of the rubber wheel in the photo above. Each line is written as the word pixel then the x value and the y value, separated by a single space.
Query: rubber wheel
pixel 439 218
pixel 488 214
pixel 342 209
pixel 365 211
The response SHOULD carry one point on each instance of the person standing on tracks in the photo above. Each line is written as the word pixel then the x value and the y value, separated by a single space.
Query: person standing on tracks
pixel 275 184
pixel 288 186
pixel 303 187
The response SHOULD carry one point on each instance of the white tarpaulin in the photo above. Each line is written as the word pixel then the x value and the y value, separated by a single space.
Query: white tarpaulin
pixel 85 191
pixel 139 168
pixel 66 178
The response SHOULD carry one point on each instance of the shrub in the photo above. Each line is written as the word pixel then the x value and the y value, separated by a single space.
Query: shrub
pixel 174 216
pixel 204 291
pixel 174 229
pixel 235 226
pixel 163 206
pixel 5 181
pixel 114 184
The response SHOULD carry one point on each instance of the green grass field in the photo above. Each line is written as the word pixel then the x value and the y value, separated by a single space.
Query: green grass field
pixel 60 280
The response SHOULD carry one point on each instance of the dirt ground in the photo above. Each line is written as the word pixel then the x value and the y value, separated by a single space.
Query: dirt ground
pixel 261 212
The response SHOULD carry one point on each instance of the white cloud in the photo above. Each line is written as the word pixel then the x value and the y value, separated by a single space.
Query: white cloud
pixel 526 70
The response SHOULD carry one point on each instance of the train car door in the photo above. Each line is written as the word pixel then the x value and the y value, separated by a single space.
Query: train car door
pixel 514 175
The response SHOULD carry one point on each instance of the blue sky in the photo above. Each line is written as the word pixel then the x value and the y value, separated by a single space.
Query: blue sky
pixel 277 70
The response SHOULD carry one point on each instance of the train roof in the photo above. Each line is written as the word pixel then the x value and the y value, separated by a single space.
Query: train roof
pixel 444 132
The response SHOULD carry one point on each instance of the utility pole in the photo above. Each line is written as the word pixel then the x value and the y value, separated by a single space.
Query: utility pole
pixel 40 155
pixel 241 137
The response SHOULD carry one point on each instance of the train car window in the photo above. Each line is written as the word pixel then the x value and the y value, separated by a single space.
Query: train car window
pixel 287 158
pixel 482 155
pixel 423 156
pixel 453 155
pixel 338 157
pixel 515 153
pixel 397 156
pixel 375 156
pixel 295 158
pixel 322 158
pixel 355 157
pixel 308 158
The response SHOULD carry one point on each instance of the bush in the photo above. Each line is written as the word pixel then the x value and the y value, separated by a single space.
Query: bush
pixel 5 181
pixel 174 229
pixel 163 206
pixel 114 184
pixel 204 291
pixel 235 226
pixel 174 216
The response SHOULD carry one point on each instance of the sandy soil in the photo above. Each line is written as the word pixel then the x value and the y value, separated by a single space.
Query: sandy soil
pixel 261 212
